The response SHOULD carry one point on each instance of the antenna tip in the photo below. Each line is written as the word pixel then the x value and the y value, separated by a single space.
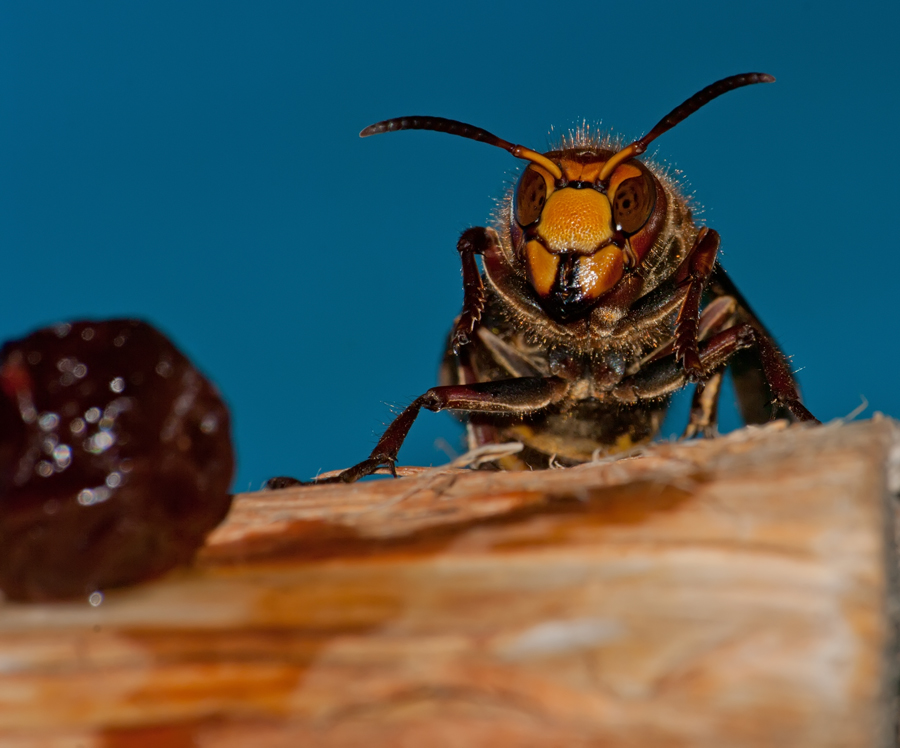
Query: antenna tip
pixel 389 125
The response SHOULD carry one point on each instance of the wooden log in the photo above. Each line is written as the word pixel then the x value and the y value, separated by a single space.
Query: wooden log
pixel 732 592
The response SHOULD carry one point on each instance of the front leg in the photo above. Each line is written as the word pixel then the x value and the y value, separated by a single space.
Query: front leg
pixel 757 401
pixel 697 268
pixel 519 396
pixel 661 378
pixel 474 241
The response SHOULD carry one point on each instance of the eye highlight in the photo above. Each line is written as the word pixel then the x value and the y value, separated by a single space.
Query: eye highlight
pixel 531 194
pixel 633 203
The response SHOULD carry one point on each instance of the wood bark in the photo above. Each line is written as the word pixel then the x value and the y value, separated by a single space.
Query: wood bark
pixel 731 592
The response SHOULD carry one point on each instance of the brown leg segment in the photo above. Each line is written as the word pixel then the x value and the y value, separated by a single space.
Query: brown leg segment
pixel 704 417
pixel 507 396
pixel 521 396
pixel 780 378
pixel 757 399
pixel 474 241
pixel 719 313
pixel 666 376
pixel 699 266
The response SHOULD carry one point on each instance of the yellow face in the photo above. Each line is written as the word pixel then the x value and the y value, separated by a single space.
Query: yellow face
pixel 578 233
pixel 576 246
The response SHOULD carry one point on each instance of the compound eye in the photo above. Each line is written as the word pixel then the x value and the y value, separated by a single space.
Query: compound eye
pixel 634 202
pixel 531 194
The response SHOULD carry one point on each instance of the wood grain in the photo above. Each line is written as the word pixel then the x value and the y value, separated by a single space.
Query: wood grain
pixel 737 592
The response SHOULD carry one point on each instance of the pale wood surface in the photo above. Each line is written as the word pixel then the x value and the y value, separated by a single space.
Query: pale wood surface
pixel 734 592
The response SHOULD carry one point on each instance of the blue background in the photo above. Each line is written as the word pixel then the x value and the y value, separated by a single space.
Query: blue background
pixel 197 164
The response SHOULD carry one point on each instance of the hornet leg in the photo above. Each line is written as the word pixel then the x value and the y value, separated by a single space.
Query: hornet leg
pixel 519 396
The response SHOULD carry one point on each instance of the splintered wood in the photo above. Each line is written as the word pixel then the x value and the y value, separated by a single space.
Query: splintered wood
pixel 733 592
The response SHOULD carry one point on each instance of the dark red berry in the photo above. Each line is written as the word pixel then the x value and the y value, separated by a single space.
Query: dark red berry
pixel 115 459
